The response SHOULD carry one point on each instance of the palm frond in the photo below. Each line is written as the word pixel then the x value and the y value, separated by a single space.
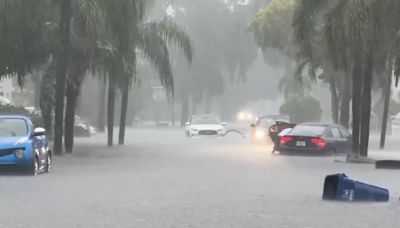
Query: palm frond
pixel 173 34
pixel 155 49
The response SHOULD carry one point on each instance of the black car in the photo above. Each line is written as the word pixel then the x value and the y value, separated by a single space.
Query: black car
pixel 260 129
pixel 316 139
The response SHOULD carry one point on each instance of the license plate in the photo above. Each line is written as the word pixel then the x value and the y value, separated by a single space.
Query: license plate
pixel 301 143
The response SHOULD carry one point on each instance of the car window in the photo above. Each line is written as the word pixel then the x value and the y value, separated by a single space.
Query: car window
pixel 13 128
pixel 328 134
pixel 336 133
pixel 308 130
pixel 206 120
pixel 266 122
pixel 345 133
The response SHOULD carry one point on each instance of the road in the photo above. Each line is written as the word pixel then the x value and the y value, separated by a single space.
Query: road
pixel 162 179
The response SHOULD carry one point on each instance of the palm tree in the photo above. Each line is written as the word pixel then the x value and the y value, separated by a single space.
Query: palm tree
pixel 83 46
pixel 359 37
pixel 124 20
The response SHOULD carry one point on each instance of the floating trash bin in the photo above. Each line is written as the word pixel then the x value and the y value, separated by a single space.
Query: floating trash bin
pixel 340 187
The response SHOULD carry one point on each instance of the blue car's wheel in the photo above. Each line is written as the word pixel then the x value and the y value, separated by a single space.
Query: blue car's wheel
pixel 34 169
pixel 49 164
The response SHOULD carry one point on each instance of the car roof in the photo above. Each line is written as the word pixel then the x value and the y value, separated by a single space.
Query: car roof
pixel 205 116
pixel 14 117
pixel 319 124
pixel 273 116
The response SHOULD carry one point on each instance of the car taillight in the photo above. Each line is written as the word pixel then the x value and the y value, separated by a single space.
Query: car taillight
pixel 285 139
pixel 319 142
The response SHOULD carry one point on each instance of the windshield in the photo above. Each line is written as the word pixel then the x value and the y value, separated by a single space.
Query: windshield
pixel 308 130
pixel 206 120
pixel 13 128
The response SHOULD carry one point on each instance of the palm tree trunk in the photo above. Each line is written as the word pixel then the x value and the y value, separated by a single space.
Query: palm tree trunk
pixel 110 109
pixel 366 108
pixel 102 106
pixel 62 66
pixel 356 105
pixel 388 90
pixel 124 109
pixel 173 120
pixel 184 110
pixel 345 102
pixel 334 99
pixel 36 84
pixel 70 119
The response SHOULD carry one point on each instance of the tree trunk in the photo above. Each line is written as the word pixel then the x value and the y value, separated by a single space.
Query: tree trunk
pixel 173 112
pixel 110 109
pixel 356 105
pixel 101 118
pixel 366 108
pixel 63 58
pixel 345 102
pixel 72 96
pixel 184 110
pixel 124 109
pixel 387 90
pixel 334 99
pixel 36 83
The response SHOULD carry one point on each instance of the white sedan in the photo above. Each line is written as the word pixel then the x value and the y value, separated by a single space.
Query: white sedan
pixel 205 125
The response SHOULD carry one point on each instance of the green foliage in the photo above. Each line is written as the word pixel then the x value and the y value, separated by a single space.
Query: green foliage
pixel 302 109
pixel 16 110
pixel 272 26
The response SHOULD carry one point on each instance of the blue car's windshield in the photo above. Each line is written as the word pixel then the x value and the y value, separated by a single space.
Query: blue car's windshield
pixel 13 128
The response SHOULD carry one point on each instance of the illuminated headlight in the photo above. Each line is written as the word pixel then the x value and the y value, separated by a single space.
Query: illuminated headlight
pixel 241 116
pixel 19 153
pixel 260 134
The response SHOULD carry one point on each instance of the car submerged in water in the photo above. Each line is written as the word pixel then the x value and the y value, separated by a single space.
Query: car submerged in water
pixel 260 129
pixel 23 147
pixel 205 125
pixel 315 139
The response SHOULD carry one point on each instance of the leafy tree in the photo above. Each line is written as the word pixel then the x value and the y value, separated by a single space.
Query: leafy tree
pixel 302 109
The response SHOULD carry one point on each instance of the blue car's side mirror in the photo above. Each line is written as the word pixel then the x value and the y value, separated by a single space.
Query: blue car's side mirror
pixel 39 131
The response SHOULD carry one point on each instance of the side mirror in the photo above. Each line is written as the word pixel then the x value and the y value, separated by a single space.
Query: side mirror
pixel 39 131
pixel 187 124
pixel 252 125
pixel 224 123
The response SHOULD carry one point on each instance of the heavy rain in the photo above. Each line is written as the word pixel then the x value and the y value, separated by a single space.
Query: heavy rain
pixel 199 113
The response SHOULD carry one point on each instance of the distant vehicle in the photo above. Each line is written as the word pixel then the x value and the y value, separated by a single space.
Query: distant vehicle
pixel 313 138
pixel 83 128
pixel 22 146
pixel 245 116
pixel 205 125
pixel 260 129
pixel 4 101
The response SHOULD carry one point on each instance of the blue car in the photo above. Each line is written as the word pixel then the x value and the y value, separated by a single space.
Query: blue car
pixel 22 146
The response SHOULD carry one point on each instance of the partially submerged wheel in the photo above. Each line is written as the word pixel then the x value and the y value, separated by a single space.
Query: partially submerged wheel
pixel 49 162
pixel 34 169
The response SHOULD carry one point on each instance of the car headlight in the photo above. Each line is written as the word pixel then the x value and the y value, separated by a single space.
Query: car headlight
pixel 19 153
pixel 260 134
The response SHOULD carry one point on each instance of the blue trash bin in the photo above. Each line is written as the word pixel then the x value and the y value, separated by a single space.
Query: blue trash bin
pixel 340 187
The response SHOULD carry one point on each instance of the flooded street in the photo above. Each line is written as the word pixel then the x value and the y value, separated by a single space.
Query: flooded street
pixel 163 179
